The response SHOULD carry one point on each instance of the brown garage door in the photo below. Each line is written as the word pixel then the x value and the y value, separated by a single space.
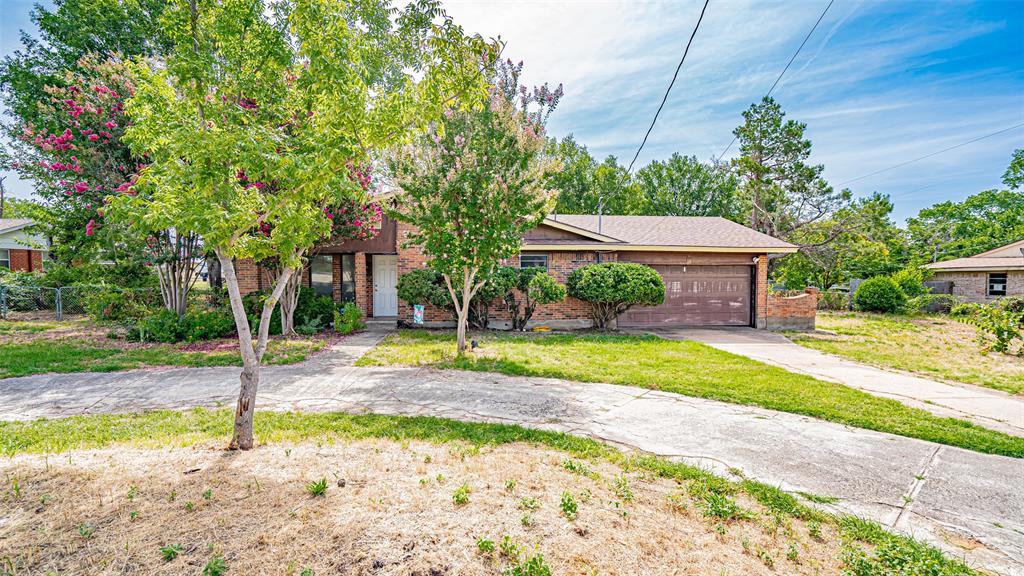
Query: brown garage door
pixel 698 296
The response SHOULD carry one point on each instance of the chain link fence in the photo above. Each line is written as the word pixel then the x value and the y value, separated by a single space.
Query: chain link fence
pixel 67 302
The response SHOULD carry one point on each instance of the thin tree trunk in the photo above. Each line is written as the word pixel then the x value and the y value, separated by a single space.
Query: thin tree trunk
pixel 462 305
pixel 289 302
pixel 252 356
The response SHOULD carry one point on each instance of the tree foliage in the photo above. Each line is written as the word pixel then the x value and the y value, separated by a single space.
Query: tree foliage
pixel 585 185
pixel 779 188
pixel 685 186
pixel 256 120
pixel 981 222
pixel 612 288
pixel 476 183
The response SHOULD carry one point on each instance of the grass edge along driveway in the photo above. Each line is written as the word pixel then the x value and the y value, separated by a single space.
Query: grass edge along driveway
pixel 168 428
pixel 687 368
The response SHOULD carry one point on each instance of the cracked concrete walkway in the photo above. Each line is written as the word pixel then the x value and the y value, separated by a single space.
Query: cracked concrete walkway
pixel 983 406
pixel 955 495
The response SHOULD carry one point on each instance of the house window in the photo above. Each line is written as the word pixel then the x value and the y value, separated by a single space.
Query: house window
pixel 5 258
pixel 533 261
pixel 348 277
pixel 321 274
pixel 997 284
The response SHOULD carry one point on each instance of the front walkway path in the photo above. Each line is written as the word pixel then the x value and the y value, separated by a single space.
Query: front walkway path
pixel 983 406
pixel 955 496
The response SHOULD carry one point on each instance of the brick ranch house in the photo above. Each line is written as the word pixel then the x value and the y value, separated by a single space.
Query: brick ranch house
pixel 715 271
pixel 21 250
pixel 987 276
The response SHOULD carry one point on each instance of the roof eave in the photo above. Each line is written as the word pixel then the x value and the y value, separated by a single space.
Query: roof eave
pixel 548 221
pixel 660 248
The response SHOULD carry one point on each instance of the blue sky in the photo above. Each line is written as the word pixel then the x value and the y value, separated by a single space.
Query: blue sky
pixel 879 83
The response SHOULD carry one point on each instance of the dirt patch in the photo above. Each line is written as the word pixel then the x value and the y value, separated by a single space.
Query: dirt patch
pixel 388 510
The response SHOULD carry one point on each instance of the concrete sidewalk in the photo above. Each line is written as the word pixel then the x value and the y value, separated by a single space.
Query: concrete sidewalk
pixel 954 495
pixel 983 406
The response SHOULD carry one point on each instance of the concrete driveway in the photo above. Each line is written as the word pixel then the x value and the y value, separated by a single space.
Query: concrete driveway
pixel 938 493
pixel 983 406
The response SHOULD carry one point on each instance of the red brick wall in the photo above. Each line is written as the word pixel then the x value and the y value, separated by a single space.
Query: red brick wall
pixel 792 312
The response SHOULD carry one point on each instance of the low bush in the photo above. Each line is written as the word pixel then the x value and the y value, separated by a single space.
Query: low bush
pixel 911 281
pixel 312 314
pixel 166 326
pixel 535 287
pixel 122 275
pixel 348 319
pixel 425 286
pixel 833 300
pixel 116 306
pixel 999 323
pixel 614 287
pixel 879 294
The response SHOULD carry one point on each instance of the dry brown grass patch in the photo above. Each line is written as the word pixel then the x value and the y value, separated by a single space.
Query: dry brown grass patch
pixel 385 512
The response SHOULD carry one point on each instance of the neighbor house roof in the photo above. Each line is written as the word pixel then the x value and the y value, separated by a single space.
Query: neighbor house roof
pixel 12 224
pixel 1009 257
pixel 667 233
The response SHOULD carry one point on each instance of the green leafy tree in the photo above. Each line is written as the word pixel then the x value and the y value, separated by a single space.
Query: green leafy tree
pixel 257 119
pixel 586 186
pixel 1013 178
pixel 476 183
pixel 612 288
pixel 685 186
pixel 780 190
pixel 858 241
pixel 68 31
pixel 981 222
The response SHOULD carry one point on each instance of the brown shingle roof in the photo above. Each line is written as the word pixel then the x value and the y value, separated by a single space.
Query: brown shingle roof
pixel 672 231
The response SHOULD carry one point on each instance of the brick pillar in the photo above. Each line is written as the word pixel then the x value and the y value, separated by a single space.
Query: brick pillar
pixel 362 277
pixel 35 261
pixel 336 277
pixel 761 292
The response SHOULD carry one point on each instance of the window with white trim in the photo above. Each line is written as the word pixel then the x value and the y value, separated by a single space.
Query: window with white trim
pixel 5 258
pixel 997 284
pixel 533 261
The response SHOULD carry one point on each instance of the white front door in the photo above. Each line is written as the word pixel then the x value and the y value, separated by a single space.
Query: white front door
pixel 385 282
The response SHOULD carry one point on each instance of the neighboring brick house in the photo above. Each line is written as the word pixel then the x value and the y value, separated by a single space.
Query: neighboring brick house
pixel 21 249
pixel 715 270
pixel 987 276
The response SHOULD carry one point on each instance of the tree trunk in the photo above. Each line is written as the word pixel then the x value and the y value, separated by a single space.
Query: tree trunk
pixel 177 268
pixel 462 305
pixel 252 356
pixel 290 301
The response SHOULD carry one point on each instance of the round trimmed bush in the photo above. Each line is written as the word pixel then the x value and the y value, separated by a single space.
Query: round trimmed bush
pixel 879 294
pixel 612 288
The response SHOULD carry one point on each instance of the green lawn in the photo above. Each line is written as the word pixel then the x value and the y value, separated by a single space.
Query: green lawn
pixel 165 428
pixel 23 358
pixel 689 368
pixel 933 346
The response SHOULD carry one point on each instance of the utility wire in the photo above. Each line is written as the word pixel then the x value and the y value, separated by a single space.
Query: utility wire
pixel 672 83
pixel 783 73
pixel 901 164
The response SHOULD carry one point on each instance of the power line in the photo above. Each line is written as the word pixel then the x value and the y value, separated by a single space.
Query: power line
pixel 960 145
pixel 672 83
pixel 783 73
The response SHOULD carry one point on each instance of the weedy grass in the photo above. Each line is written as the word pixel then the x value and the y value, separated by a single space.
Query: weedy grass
pixel 165 429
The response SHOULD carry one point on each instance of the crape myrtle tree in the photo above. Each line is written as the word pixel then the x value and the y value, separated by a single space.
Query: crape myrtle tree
pixel 475 184
pixel 290 97
pixel 81 159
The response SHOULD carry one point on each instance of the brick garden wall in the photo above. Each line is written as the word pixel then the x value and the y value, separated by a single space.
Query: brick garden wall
pixel 792 312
